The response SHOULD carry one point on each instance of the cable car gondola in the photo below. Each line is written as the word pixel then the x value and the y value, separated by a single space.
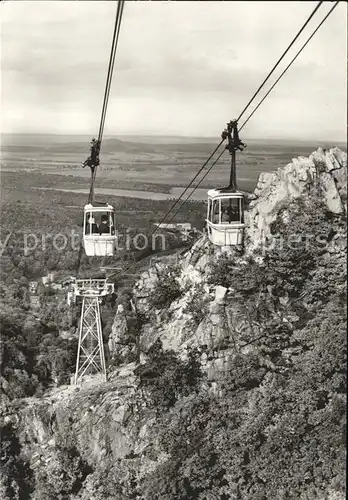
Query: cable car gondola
pixel 99 235
pixel 225 215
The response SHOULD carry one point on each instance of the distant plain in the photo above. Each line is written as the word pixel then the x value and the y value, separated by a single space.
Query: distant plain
pixel 44 171
pixel 144 163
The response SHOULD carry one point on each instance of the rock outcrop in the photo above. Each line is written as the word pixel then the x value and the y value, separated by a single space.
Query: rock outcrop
pixel 100 424
pixel 200 317
pixel 324 170
pixel 119 337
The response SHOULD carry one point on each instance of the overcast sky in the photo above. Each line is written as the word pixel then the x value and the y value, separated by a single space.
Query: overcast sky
pixel 182 68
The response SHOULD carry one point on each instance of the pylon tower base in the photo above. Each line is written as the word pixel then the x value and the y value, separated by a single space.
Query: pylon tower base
pixel 90 352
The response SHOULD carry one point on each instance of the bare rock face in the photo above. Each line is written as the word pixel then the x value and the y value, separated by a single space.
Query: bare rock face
pixel 145 286
pixel 198 319
pixel 324 170
pixel 102 423
pixel 212 331
pixel 118 338
pixel 334 158
pixel 199 254
pixel 173 325
pixel 330 193
pixel 202 253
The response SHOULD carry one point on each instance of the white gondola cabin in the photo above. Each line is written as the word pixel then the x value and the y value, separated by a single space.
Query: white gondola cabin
pixel 225 217
pixel 99 234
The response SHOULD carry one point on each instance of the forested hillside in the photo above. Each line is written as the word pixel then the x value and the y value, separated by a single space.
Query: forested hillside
pixel 228 380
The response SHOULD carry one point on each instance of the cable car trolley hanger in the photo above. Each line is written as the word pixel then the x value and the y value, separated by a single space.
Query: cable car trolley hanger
pixel 225 215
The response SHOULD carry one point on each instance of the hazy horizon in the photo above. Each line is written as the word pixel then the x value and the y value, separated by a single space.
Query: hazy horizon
pixel 186 138
pixel 181 69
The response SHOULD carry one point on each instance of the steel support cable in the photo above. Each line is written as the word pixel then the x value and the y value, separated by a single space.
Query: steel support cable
pixel 127 268
pixel 207 173
pixel 279 60
pixel 117 33
pixel 290 63
pixel 119 14
pixel 118 19
pixel 265 80
pixel 250 101
pixel 269 91
pixel 195 187
pixel 188 186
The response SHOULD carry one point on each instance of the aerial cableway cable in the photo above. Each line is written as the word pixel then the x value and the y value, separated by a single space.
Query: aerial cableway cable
pixel 262 100
pixel 290 63
pixel 189 185
pixel 195 187
pixel 240 115
pixel 116 34
pixel 253 97
pixel 119 14
pixel 153 232
pixel 118 20
pixel 177 201
pixel 279 60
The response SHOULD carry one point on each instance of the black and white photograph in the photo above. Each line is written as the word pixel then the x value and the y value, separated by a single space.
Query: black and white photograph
pixel 173 249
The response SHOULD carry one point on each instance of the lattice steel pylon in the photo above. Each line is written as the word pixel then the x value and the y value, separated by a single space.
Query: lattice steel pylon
pixel 90 352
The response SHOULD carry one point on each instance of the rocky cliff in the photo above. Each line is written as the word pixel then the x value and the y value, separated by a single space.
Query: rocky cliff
pixel 99 441
pixel 323 174
pixel 324 171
